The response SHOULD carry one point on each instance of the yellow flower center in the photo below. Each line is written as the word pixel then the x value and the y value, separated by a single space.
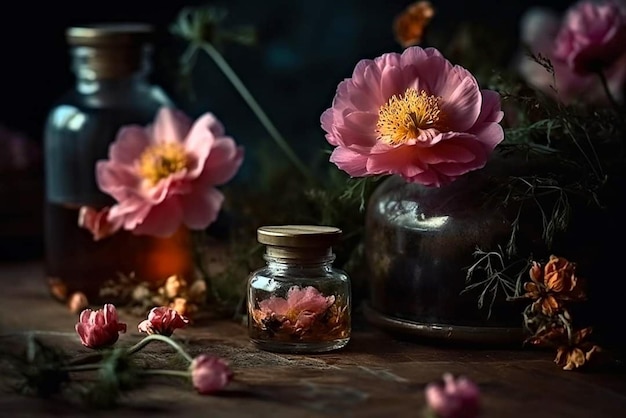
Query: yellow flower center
pixel 403 117
pixel 159 161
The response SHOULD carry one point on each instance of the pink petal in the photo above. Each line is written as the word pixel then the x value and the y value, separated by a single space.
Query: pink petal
pixel 84 316
pixel 201 208
pixel 199 141
pixel 395 161
pixel 392 82
pixel 327 120
pixel 97 318
pixel 461 106
pixel 351 162
pixel 116 179
pixel 145 326
pixel 171 125
pixel 81 330
pixel 110 313
pixel 413 55
pixel 274 305
pixel 163 219
pixel 129 144
pixel 491 107
pixel 450 150
pixel 359 128
pixel 223 162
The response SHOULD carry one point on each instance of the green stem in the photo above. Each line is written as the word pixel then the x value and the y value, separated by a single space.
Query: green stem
pixel 256 108
pixel 163 372
pixel 82 368
pixel 156 337
pixel 607 91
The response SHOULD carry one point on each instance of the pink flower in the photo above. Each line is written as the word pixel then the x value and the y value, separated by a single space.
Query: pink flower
pixel 455 398
pixel 163 321
pixel 592 36
pixel 210 374
pixel 97 222
pixel 541 31
pixel 299 310
pixel 99 328
pixel 413 114
pixel 164 175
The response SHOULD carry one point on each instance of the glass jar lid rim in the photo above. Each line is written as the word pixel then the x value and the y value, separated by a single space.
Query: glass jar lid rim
pixel 109 33
pixel 313 236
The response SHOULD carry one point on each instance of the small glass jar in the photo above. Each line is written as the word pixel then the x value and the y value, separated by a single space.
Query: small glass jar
pixel 298 302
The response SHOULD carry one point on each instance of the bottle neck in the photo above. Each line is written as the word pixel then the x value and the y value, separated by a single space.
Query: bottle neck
pixel 110 66
pixel 113 86
pixel 303 267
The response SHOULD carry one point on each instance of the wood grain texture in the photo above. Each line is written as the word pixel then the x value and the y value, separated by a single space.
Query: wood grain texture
pixel 375 376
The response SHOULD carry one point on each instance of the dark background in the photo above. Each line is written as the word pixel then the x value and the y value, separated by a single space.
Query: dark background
pixel 304 49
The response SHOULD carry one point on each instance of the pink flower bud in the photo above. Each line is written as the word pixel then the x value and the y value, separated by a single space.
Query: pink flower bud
pixel 209 374
pixel 163 321
pixel 99 328
pixel 455 398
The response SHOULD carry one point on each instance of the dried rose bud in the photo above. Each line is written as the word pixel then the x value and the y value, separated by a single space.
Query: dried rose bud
pixel 99 328
pixel 162 320
pixel 77 302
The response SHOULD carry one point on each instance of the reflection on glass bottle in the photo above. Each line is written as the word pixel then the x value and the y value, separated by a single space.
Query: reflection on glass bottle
pixel 111 64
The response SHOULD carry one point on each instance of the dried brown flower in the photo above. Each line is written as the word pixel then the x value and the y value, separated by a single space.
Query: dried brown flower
pixel 410 25
pixel 573 349
pixel 173 287
pixel 77 302
pixel 58 288
pixel 552 284
pixel 183 307
pixel 578 352
pixel 197 291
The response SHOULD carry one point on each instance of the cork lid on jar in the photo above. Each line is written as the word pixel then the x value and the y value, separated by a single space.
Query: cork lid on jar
pixel 298 241
pixel 105 34
pixel 110 50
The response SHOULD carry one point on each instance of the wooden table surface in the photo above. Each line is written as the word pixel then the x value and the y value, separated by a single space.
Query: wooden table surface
pixel 375 376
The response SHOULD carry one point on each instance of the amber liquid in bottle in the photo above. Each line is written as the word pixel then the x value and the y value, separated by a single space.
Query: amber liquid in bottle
pixel 82 264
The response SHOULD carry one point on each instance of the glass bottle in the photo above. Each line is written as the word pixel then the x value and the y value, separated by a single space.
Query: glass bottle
pixel 111 63
pixel 299 302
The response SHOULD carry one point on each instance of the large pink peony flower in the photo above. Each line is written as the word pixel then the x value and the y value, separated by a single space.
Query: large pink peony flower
pixel 545 33
pixel 592 36
pixel 100 328
pixel 164 175
pixel 413 114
